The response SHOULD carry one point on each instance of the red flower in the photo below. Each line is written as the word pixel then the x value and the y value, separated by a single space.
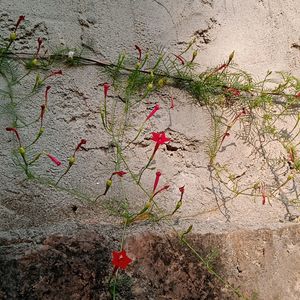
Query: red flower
pixel 40 42
pixel 158 174
pixel 15 131
pixel 46 94
pixel 82 142
pixel 42 113
pixel 56 72
pixel 162 189
pixel 119 173
pixel 160 139
pixel 243 112
pixel 297 95
pixel 21 19
pixel 263 193
pixel 226 134
pixel 139 51
pixel 120 259
pixel 106 87
pixel 264 199
pixel 154 110
pixel 172 102
pixel 180 58
pixel 181 189
pixel 54 159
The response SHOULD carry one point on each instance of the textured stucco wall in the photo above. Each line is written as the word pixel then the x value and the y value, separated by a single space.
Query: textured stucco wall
pixel 261 33
pixel 264 35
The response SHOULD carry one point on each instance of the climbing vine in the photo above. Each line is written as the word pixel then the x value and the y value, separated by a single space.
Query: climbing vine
pixel 261 116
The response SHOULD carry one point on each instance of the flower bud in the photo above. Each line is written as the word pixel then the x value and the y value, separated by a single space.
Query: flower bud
pixel 230 57
pixel 34 62
pixel 22 151
pixel 71 160
pixel 12 36
pixel 109 183
pixel 194 55
pixel 161 82
pixel 150 86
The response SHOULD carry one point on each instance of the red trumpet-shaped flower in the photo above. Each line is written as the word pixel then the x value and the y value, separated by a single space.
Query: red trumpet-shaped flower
pixel 106 87
pixel 119 173
pixel 159 138
pixel 180 58
pixel 263 193
pixel 82 142
pixel 181 189
pixel 172 103
pixel 120 259
pixel 42 113
pixel 40 42
pixel 154 110
pixel 55 72
pixel 139 51
pixel 14 130
pixel 21 19
pixel 46 94
pixel 162 189
pixel 54 159
pixel 158 174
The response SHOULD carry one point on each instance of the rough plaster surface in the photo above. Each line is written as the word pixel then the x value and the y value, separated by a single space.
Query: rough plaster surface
pixel 264 35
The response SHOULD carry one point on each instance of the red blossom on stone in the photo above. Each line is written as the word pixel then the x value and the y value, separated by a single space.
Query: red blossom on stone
pixel 180 58
pixel 159 138
pixel 120 259
pixel 263 193
pixel 21 19
pixel 297 95
pixel 181 189
pixel 264 197
pixel 172 102
pixel 82 142
pixel 54 159
pixel 139 51
pixel 40 42
pixel 55 72
pixel 106 87
pixel 226 134
pixel 14 130
pixel 43 107
pixel 46 94
pixel 119 173
pixel 154 110
pixel 162 189
pixel 158 174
